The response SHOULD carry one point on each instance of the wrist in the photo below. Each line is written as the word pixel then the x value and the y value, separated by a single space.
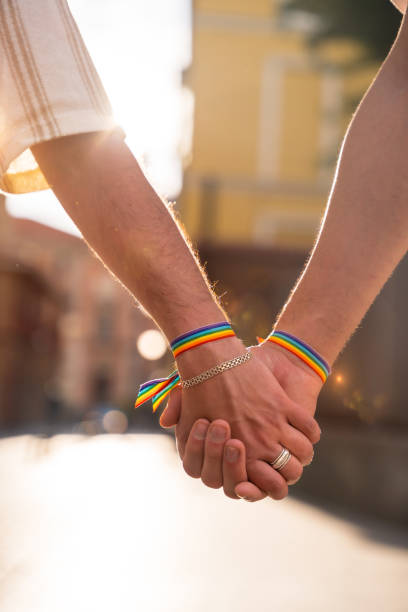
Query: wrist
pixel 205 356
pixel 204 312
pixel 286 365
pixel 313 329
pixel 303 351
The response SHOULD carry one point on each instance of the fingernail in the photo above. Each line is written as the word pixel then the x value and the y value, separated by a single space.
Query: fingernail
pixel 243 497
pixel 231 454
pixel 200 431
pixel 218 434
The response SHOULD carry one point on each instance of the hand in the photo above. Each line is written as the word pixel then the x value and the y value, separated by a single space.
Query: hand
pixel 301 385
pixel 220 460
pixel 279 419
pixel 216 459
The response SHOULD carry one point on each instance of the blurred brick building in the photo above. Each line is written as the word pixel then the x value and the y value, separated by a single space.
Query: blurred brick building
pixel 94 320
pixel 29 347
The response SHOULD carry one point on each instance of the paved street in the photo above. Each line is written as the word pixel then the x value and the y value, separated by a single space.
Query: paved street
pixel 112 524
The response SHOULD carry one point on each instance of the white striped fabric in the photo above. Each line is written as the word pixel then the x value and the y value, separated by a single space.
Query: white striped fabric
pixel 48 87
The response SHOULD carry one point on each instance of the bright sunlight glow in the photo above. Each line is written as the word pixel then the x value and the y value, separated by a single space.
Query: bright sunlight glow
pixel 151 344
pixel 140 50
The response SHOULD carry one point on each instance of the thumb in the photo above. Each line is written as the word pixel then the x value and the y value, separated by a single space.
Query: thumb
pixel 171 414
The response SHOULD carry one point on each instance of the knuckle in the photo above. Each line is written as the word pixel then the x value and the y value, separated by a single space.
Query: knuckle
pixel 305 423
pixel 275 417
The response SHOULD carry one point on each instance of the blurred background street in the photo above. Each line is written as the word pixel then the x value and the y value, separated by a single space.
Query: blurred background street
pixel 236 110
pixel 112 523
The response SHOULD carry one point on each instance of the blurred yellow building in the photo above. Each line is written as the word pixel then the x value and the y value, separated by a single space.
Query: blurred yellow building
pixel 270 114
pixel 268 122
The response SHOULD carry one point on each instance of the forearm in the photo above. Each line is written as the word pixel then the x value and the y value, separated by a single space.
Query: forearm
pixel 400 4
pixel 101 186
pixel 365 230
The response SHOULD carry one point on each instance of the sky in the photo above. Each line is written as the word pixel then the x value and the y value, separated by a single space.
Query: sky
pixel 140 49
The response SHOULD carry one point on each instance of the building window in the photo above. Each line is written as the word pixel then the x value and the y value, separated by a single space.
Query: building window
pixel 300 119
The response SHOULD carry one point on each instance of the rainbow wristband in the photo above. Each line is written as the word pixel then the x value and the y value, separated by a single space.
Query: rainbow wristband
pixel 157 390
pixel 202 335
pixel 303 351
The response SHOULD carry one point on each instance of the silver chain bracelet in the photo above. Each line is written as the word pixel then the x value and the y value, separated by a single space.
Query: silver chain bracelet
pixel 218 369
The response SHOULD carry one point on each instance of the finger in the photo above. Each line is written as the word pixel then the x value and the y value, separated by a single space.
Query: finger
pixel 292 472
pixel 305 423
pixel 266 478
pixel 171 414
pixel 182 434
pixel 236 485
pixel 249 492
pixel 233 466
pixel 194 452
pixel 218 433
pixel 297 444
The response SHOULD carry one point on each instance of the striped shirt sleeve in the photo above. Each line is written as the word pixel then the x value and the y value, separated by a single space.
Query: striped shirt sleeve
pixel 48 87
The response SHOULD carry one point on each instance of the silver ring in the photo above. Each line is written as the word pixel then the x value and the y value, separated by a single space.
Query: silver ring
pixel 281 460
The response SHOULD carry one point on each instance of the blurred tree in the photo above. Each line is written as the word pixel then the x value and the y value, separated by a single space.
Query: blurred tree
pixel 374 23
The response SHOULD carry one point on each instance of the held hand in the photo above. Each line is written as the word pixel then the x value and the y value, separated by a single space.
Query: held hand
pixel 300 384
pixel 260 412
pixel 211 455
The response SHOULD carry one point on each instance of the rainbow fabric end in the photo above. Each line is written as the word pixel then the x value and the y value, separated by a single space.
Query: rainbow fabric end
pixel 157 390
